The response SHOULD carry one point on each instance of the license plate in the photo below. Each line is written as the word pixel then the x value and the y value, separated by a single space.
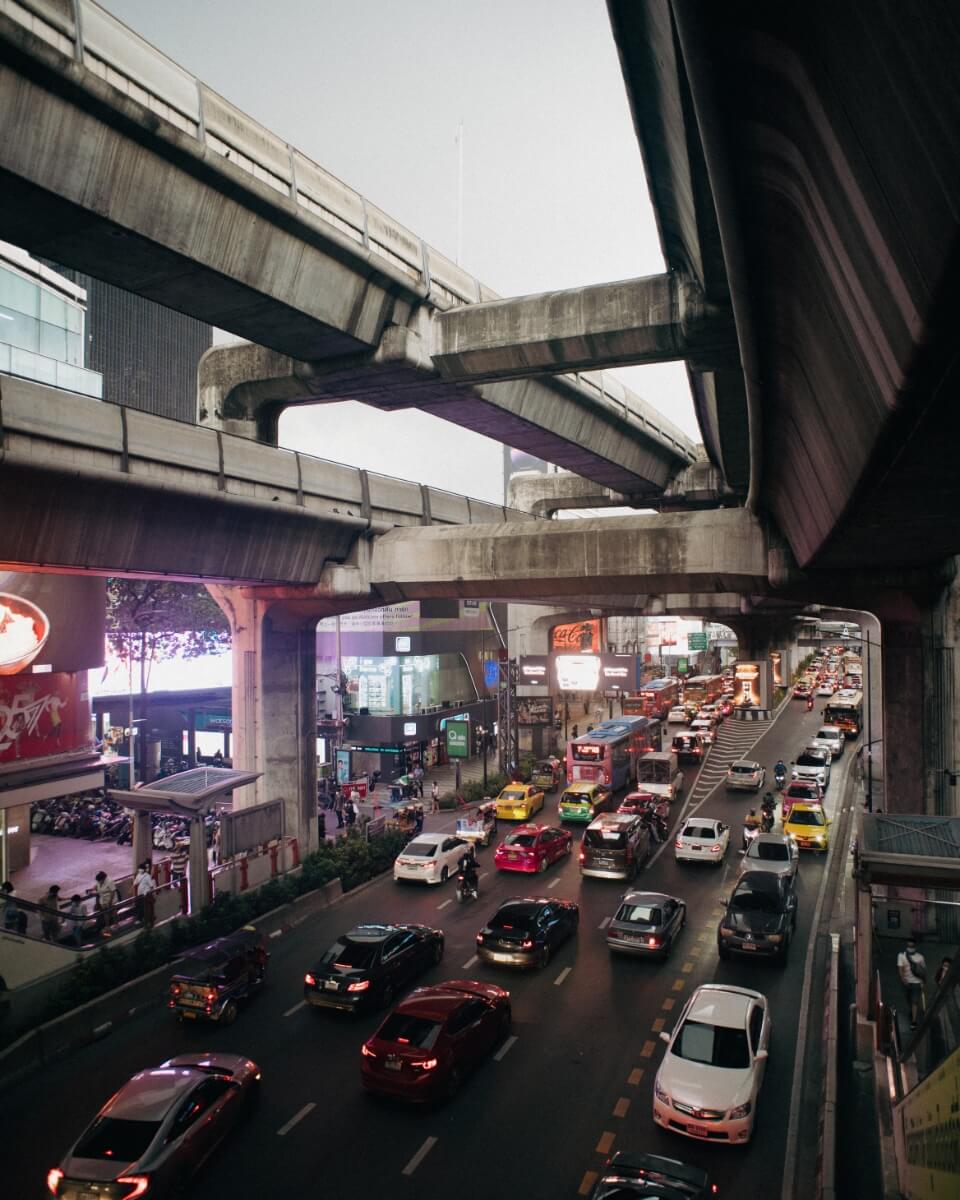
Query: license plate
pixel 748 946
pixel 696 847
pixel 392 1064
pixel 330 984
pixel 698 1131
pixel 85 1195
pixel 190 1016
pixel 513 857
pixel 604 862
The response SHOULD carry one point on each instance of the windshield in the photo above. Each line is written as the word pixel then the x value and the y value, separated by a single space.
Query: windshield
pixel 809 760
pixel 746 900
pixel 769 851
pixel 574 798
pixel 513 794
pixel 521 839
pixel 699 831
pixel 350 954
pixel 409 1030
pixel 646 915
pixel 118 1141
pixel 420 850
pixel 715 1045
pixel 742 769
pixel 605 839
pixel 806 816
pixel 513 919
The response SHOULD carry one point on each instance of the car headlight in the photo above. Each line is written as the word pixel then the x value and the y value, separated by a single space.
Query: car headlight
pixel 661 1095
pixel 724 932
pixel 820 839
pixel 743 1110
pixel 775 937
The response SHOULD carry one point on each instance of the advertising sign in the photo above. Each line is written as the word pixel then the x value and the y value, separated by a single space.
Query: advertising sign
pixel 751 685
pixel 458 739
pixel 581 637
pixel 534 710
pixel 41 715
pixel 343 766
pixel 535 669
pixel 619 671
pixel 776 664
pixel 491 673
pixel 577 672
pixel 50 623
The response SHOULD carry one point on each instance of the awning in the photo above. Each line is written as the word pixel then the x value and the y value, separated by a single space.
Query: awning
pixel 909 850
pixel 187 793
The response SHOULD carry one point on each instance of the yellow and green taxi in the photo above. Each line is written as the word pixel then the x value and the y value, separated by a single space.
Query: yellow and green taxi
pixel 808 825
pixel 519 801
pixel 583 799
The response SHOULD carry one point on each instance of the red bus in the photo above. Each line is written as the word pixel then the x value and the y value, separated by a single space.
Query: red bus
pixel 609 753
pixel 703 689
pixel 656 698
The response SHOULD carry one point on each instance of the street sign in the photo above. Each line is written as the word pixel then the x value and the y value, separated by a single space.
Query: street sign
pixel 458 739
pixel 697 641
pixel 682 666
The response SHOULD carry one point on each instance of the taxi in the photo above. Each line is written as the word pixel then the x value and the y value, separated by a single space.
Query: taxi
pixel 809 826
pixel 519 801
pixel 583 799
pixel 532 848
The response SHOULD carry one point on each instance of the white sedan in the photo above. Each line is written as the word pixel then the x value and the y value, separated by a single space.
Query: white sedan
pixel 677 715
pixel 430 858
pixel 702 839
pixel 709 1081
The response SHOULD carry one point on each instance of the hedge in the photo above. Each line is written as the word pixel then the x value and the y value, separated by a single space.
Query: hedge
pixel 351 858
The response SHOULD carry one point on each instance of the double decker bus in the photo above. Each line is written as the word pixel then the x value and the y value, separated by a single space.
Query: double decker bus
pixel 609 753
pixel 845 710
pixel 656 697
pixel 703 689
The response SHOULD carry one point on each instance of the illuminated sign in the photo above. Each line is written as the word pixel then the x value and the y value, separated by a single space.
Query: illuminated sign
pixel 534 669
pixel 24 629
pixel 402 644
pixel 409 729
pixel 581 637
pixel 577 672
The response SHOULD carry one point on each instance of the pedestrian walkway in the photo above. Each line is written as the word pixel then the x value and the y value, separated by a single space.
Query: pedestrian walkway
pixel 72 863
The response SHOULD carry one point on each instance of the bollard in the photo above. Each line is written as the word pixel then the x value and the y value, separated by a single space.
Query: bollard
pixel 244 884
pixel 273 861
pixel 295 851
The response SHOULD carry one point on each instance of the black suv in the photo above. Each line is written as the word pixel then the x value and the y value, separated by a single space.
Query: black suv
pixel 761 917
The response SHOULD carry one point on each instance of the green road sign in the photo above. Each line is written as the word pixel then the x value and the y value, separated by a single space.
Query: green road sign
pixel 682 666
pixel 697 641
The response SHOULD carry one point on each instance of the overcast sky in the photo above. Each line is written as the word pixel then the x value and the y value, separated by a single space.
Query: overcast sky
pixel 374 91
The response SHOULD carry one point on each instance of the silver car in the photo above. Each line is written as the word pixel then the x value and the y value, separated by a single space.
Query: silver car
pixel 646 924
pixel 773 852
pixel 745 775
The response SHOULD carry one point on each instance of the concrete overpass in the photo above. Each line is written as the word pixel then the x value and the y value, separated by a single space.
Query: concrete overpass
pixel 115 161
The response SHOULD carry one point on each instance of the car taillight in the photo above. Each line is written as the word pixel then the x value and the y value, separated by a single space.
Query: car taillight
pixel 582 856
pixel 360 986
pixel 424 1064
pixel 614 933
pixel 479 939
pixel 678 844
pixel 652 941
pixel 175 989
pixel 139 1184
pixel 366 1051
pixel 716 848
pixel 526 944
pixel 54 1175
pixel 209 994
pixel 309 980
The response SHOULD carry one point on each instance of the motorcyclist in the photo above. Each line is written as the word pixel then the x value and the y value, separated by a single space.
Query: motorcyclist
pixel 767 812
pixel 780 773
pixel 469 869
pixel 751 826
pixel 809 704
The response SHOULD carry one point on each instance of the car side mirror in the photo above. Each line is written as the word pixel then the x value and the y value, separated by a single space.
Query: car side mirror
pixel 665 1037
pixel 761 1055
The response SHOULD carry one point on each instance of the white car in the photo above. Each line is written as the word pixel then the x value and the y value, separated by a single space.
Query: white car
pixel 709 1081
pixel 831 736
pixel 702 839
pixel 429 858
pixel 826 689
pixel 711 712
pixel 813 763
pixel 677 715
pixel 706 727
pixel 745 775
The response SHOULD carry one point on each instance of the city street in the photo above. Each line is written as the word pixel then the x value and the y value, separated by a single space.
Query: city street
pixel 572 1083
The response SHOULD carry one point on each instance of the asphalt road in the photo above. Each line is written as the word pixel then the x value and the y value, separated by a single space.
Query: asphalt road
pixel 573 1082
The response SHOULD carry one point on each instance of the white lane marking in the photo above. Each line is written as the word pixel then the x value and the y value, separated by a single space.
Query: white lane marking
pixel 296 1008
pixel 501 1054
pixel 443 905
pixel 562 976
pixel 296 1119
pixel 276 933
pixel 420 1155
pixel 554 883
pixel 605 922
pixel 470 962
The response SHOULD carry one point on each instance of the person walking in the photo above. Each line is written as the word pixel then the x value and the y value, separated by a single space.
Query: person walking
pixel 75 916
pixel 338 807
pixel 912 968
pixel 50 914
pixel 106 894
pixel 435 796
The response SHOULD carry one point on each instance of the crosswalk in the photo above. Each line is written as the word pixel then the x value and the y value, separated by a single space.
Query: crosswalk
pixel 734 739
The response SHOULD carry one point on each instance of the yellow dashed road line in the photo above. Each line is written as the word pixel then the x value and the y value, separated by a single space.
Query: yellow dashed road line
pixel 605 1145
pixel 621 1106
pixel 668 1004
pixel 687 968
pixel 658 1024
pixel 635 1076
pixel 586 1184
pixel 648 1049
pixel 678 985
pixel 702 937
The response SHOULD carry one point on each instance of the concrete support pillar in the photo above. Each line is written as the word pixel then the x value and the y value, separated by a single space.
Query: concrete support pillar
pixel 903 709
pixel 275 706
pixel 199 875
pixel 142 846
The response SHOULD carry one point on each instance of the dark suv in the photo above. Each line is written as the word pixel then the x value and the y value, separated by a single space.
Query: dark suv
pixel 761 917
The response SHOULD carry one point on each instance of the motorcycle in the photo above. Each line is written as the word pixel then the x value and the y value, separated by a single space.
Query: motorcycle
pixel 780 778
pixel 749 833
pixel 467 889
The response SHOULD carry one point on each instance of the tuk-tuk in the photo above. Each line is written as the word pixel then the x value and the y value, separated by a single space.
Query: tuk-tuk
pixel 547 774
pixel 213 978
pixel 481 826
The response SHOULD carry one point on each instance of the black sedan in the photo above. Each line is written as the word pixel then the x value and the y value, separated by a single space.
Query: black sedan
pixel 366 967
pixel 629 1173
pixel 761 917
pixel 525 932
pixel 158 1129
pixel 646 924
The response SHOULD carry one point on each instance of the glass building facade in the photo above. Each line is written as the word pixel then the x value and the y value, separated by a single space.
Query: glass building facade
pixel 42 325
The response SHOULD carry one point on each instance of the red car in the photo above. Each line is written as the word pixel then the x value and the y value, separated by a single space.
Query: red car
pixel 637 802
pixel 532 848
pixel 435 1037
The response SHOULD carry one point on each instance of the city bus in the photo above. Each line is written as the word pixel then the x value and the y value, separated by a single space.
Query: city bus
pixel 609 753
pixel 703 689
pixel 845 710
pixel 656 697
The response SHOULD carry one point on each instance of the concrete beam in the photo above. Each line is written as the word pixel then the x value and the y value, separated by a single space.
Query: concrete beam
pixel 660 318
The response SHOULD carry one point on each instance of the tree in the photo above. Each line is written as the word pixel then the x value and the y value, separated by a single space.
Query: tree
pixel 151 621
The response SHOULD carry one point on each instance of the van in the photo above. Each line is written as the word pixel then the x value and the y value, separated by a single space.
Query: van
pixel 614 846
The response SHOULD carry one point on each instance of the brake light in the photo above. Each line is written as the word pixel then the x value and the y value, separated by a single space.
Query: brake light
pixel 309 980
pixel 716 849
pixel 175 989
pixel 140 1184
pixel 54 1175
pixel 366 1051
pixel 526 944
pixel 424 1064
pixel 582 856
pixel 360 986
pixel 479 939
pixel 652 941
pixel 209 994
pixel 679 844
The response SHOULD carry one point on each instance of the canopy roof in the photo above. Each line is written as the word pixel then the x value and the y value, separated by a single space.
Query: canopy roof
pixel 187 792
pixel 910 850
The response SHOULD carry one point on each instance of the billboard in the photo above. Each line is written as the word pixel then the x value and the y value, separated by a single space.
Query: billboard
pixel 534 710
pixel 751 684
pixel 43 715
pixel 580 637
pixel 51 623
pixel 534 670
pixel 458 739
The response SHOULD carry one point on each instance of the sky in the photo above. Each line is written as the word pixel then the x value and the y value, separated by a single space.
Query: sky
pixel 553 189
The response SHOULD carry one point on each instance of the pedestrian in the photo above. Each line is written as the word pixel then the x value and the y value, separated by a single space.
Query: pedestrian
pixel 14 917
pixel 106 895
pixel 435 796
pixel 942 972
pixel 912 967
pixel 50 913
pixel 144 888
pixel 418 819
pixel 75 916
pixel 338 808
